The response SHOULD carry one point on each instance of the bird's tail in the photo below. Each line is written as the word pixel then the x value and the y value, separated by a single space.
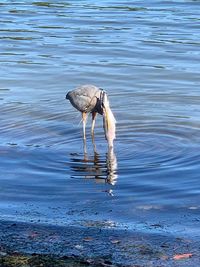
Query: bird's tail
pixel 108 122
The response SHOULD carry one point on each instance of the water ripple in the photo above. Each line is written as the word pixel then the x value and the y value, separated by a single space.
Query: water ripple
pixel 146 56
pixel 161 145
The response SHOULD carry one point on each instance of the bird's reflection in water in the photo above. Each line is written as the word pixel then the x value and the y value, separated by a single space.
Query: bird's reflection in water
pixel 95 167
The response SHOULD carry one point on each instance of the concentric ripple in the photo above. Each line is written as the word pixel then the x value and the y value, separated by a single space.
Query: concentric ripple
pixel 160 145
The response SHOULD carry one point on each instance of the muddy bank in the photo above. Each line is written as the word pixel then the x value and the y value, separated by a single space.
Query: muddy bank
pixel 23 260
pixel 37 245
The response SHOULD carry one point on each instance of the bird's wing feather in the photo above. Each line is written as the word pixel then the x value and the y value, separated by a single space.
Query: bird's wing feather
pixel 83 101
pixel 83 98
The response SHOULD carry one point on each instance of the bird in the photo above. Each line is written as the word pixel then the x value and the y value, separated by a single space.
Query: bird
pixel 92 99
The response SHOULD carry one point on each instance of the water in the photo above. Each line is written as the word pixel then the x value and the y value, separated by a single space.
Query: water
pixel 146 55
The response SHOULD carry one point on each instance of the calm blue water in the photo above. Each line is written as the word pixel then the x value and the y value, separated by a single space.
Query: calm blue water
pixel 146 56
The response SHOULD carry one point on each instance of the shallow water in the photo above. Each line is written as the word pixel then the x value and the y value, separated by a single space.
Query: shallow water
pixel 146 56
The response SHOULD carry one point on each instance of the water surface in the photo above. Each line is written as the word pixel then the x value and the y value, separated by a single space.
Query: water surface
pixel 146 56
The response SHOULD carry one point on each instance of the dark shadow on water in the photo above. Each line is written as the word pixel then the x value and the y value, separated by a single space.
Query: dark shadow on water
pixel 101 168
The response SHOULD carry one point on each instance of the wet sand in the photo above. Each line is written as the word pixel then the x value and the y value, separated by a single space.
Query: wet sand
pixel 24 244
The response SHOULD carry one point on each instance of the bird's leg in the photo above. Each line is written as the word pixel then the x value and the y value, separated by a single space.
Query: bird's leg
pixel 84 118
pixel 85 151
pixel 94 114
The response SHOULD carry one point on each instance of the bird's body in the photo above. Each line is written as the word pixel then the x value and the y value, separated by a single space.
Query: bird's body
pixel 91 99
pixel 84 98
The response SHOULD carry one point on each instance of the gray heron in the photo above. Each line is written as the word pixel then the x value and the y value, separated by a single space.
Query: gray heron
pixel 91 99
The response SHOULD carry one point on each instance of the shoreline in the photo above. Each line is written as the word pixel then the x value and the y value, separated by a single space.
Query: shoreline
pixel 92 246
